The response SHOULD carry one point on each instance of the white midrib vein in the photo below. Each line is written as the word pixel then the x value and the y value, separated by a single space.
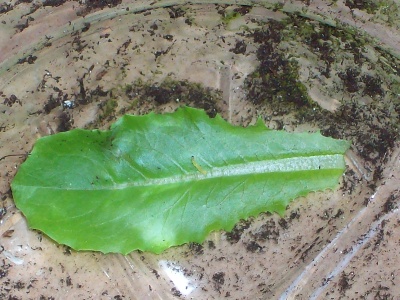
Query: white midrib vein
pixel 292 164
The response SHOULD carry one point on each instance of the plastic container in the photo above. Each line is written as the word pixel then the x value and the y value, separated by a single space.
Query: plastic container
pixel 83 64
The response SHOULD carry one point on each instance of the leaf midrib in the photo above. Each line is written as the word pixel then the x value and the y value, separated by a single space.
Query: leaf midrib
pixel 292 164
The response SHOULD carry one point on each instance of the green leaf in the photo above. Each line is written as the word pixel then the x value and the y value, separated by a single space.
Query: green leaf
pixel 156 181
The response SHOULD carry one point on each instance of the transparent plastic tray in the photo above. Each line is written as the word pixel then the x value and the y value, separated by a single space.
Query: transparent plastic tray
pixel 59 62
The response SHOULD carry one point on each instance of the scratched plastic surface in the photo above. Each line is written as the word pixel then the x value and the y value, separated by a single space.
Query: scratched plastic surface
pixel 342 243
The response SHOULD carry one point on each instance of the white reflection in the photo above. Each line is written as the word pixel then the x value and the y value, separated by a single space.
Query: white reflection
pixel 177 275
pixel 12 258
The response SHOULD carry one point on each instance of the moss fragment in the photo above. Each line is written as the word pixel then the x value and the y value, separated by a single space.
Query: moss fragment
pixel 108 108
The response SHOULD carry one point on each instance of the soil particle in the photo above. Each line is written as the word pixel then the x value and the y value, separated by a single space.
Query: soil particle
pixel 330 214
pixel 24 23
pixel 176 12
pixel 168 37
pixel 219 280
pixel 283 223
pixel 380 237
pixel 78 44
pixel 8 233
pixel 350 79
pixel 351 182
pixel 319 42
pixel 86 26
pixel 10 101
pixel 391 203
pixel 91 5
pixel 264 289
pixel 196 248
pixel 176 292
pixel 99 91
pixel 51 103
pixel 158 53
pixel 253 247
pixel 54 3
pixel 19 285
pixel 294 215
pixel 267 232
pixel 68 281
pixel 3 211
pixel 306 249
pixel 4 269
pixel 338 214
pixel 345 282
pixel 65 122
pixel 124 46
pixel 240 48
pixel 30 59
pixel 373 86
pixel 243 10
pixel 155 273
pixel 45 78
pixel 82 96
pixel 369 6
pixel 67 251
pixel 235 234
pixel 5 7
pixel 211 245
pixel 54 100
pixel 160 95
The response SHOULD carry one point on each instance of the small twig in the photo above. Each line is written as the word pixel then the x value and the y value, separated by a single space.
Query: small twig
pixel 5 156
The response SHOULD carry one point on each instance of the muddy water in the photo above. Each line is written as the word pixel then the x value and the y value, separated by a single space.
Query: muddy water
pixel 94 64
